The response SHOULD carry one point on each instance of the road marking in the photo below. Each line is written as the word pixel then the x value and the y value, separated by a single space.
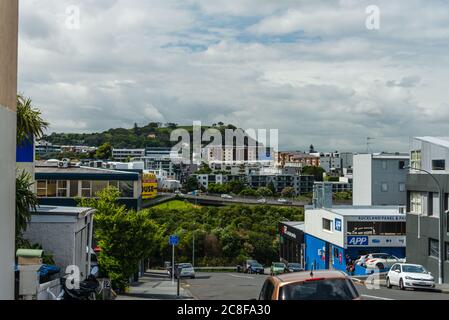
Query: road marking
pixel 245 277
pixel 375 297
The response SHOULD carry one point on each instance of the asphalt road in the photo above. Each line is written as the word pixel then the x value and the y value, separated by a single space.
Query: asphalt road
pixel 239 286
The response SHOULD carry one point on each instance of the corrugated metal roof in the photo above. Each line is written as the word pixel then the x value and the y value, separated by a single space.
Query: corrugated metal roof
pixel 441 141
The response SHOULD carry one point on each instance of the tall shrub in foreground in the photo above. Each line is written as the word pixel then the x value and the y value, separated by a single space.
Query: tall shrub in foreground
pixel 125 237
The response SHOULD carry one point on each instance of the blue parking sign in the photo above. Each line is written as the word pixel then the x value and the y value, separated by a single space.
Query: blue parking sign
pixel 173 240
pixel 338 224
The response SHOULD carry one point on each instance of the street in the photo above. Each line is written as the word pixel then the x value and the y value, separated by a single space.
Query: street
pixel 239 286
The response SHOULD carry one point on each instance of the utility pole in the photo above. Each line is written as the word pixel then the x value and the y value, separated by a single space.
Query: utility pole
pixel 193 250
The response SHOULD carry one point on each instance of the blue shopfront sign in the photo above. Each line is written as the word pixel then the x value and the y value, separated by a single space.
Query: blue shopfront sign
pixel 358 241
pixel 338 224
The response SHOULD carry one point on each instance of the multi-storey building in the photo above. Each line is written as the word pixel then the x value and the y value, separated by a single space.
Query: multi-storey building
pixel 296 159
pixel 379 179
pixel 44 149
pixel 427 205
pixel 123 154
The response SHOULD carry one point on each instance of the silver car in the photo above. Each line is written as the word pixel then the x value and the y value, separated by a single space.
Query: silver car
pixel 186 270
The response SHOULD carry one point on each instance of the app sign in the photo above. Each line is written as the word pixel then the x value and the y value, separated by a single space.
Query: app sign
pixel 357 241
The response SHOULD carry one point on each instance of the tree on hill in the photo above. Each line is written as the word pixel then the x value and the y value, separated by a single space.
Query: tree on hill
pixel 104 152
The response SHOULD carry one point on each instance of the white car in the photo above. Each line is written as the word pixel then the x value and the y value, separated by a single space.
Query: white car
pixel 381 261
pixel 281 200
pixel 187 270
pixel 262 200
pixel 409 276
pixel 226 196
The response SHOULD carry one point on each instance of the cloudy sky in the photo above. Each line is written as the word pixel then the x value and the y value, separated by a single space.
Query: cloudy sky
pixel 311 69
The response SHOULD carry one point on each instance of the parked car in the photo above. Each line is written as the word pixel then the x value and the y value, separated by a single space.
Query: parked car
pixel 186 270
pixel 319 285
pixel 262 200
pixel 381 261
pixel 409 276
pixel 294 267
pixel 284 201
pixel 247 264
pixel 277 268
pixel 226 196
pixel 256 268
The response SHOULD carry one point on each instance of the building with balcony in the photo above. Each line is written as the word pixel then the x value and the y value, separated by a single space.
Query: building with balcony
pixel 427 218
pixel 124 154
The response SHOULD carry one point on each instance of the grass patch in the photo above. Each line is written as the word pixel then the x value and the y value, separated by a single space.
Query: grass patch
pixel 176 204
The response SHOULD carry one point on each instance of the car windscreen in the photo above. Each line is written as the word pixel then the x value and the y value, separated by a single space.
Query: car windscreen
pixel 279 265
pixel 256 265
pixel 294 265
pixel 326 289
pixel 413 269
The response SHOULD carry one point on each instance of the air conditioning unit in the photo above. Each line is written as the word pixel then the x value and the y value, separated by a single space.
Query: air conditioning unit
pixel 63 164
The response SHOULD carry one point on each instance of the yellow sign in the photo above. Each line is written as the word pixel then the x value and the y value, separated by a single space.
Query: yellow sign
pixel 149 186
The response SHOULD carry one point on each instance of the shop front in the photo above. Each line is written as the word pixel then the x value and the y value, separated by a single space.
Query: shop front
pixel 291 239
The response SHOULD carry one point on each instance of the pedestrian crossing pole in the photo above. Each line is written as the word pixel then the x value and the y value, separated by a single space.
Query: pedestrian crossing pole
pixel 173 264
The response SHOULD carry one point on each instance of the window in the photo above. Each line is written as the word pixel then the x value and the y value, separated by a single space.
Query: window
pixel 74 188
pixel 376 228
pixel 42 188
pixel 97 186
pixel 401 187
pixel 434 249
pixel 439 164
pixel 416 202
pixel 267 291
pixel 51 188
pixel 430 204
pixel 126 189
pixel 327 224
pixel 415 159
pixel 384 164
pixel 401 165
pixel 62 188
pixel 86 189
pixel 384 187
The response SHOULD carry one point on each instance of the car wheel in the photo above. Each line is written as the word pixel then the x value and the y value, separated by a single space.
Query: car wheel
pixel 192 277
pixel 388 283
pixel 380 266
pixel 401 285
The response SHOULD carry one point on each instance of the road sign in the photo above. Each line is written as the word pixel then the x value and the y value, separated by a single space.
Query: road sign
pixel 173 240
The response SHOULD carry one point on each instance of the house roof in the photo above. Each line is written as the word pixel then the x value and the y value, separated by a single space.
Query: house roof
pixel 63 211
pixel 440 141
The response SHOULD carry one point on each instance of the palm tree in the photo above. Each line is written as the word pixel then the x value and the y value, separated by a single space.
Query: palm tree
pixel 26 201
pixel 30 124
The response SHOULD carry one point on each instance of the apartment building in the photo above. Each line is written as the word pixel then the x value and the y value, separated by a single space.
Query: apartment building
pixel 124 154
pixel 427 205
pixel 296 159
pixel 379 179
pixel 8 90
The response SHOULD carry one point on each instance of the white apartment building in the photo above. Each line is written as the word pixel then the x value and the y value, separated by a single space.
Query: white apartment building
pixel 123 154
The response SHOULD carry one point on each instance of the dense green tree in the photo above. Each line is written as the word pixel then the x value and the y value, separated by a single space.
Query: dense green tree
pixel 125 237
pixel 191 184
pixel 104 152
pixel 288 192
pixel 317 172
pixel 264 192
pixel 26 202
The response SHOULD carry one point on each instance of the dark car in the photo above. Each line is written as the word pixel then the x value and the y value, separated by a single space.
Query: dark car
pixel 256 268
pixel 294 267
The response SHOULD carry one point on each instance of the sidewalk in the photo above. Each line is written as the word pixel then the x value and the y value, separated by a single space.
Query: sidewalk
pixel 154 285
pixel 443 288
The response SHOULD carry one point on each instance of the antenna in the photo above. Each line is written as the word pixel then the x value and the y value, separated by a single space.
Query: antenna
pixel 368 144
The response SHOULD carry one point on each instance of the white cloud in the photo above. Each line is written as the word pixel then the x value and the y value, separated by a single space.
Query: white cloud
pixel 309 68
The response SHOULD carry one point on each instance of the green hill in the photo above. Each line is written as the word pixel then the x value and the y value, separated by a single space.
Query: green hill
pixel 152 135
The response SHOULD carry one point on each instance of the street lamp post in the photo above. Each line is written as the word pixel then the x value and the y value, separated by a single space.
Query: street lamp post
pixel 440 223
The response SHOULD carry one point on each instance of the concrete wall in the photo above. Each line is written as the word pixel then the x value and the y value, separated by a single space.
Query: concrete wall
pixel 8 91
pixel 57 238
pixel 392 176
pixel 362 183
